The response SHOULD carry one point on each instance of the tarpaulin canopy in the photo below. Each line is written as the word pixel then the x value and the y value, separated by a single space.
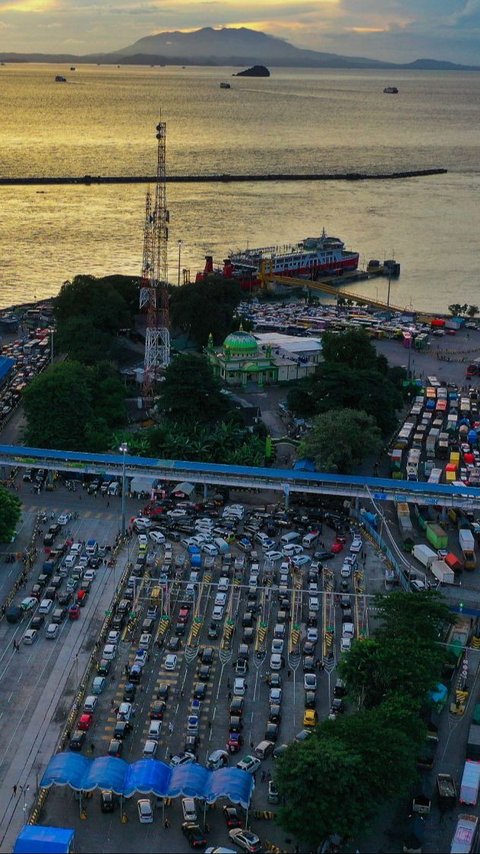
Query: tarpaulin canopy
pixel 148 776
pixel 37 839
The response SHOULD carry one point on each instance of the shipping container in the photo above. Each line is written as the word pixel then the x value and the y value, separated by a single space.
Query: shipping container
pixel 436 536
pixel 470 783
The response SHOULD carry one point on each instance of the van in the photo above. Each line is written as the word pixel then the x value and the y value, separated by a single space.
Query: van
pixel 289 538
pixel 264 749
pixel 310 540
pixel 114 488
pixel 221 545
pixel 45 606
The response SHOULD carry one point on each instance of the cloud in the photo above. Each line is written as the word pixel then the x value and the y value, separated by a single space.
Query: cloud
pixel 28 6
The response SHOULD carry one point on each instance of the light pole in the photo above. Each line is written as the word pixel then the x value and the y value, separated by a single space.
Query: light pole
pixel 179 261
pixel 123 448
pixel 25 790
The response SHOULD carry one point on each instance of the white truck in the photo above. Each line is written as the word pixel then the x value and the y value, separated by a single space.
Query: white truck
pixel 442 572
pixel 424 554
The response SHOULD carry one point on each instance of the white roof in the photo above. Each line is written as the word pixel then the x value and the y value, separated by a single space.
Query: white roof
pixel 289 343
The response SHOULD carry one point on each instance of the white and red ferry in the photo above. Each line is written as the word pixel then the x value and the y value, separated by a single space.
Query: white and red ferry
pixel 309 258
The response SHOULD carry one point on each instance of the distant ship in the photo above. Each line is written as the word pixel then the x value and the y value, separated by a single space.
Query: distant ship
pixel 390 90
pixel 225 86
pixel 60 79
pixel 309 258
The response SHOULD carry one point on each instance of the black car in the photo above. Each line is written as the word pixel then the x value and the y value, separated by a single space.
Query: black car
pixel 64 599
pixel 163 691
pixel 51 593
pixel 310 700
pixel 337 705
pixel 103 667
pixel 37 622
pixel 95 562
pixel 118 622
pixel 107 800
pixel 275 714
pixel 323 555
pixel 157 710
pixel 235 724
pixel 275 680
pixel 207 655
pixel 174 644
pixel 308 664
pixel 247 619
pixel 213 631
pixel 115 747
pixel 194 835
pixel 233 817
pixel 339 689
pixel 236 706
pixel 191 744
pixel 77 740
pixel 204 672
pixel 54 529
pixel 129 692
pixel 248 635
pixel 59 615
pixel 271 731
pixel 309 648
pixel 122 728
pixel 199 691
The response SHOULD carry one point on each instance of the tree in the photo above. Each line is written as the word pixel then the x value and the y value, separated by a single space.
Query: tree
pixel 10 511
pixel 341 439
pixel 190 392
pixel 205 307
pixel 58 406
pixel 352 348
pixel 455 308
pixel 472 310
pixel 83 342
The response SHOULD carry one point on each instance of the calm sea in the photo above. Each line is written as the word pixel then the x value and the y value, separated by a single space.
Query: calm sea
pixel 102 122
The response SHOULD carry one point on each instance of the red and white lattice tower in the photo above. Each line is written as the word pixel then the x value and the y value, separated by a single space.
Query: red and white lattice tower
pixel 153 288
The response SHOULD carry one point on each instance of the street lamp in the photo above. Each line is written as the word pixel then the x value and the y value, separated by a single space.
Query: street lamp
pixel 25 790
pixel 123 448
pixel 179 261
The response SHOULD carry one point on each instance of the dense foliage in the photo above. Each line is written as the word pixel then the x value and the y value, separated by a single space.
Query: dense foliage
pixel 340 439
pixel 351 376
pixel 89 314
pixel 10 510
pixel 351 765
pixel 190 393
pixel 74 407
pixel 203 308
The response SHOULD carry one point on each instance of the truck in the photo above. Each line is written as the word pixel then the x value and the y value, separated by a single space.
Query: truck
pixel 431 443
pixel 436 536
pixel 470 782
pixel 453 562
pixel 473 742
pixel 424 554
pixel 467 545
pixel 465 837
pixel 442 572
pixel 413 461
pixel 405 522
pixel 447 790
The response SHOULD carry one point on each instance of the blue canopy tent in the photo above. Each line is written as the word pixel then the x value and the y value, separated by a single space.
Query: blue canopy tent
pixel 148 776
pixel 38 839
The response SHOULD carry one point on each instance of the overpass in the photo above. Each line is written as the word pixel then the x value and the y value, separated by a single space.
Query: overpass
pixel 286 481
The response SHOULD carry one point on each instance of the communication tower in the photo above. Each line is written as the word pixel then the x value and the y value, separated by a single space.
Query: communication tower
pixel 153 288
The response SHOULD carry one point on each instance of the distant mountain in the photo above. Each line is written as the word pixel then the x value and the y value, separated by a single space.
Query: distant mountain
pixel 233 47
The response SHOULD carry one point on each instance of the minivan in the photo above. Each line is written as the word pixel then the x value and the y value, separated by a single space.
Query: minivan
pixel 264 749
pixel 290 538
pixel 239 687
pixel 70 561
pixel 221 545
pixel 310 540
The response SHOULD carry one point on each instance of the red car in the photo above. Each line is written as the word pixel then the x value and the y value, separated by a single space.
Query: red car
pixel 74 612
pixel 235 742
pixel 232 817
pixel 337 547
pixel 85 722
pixel 183 615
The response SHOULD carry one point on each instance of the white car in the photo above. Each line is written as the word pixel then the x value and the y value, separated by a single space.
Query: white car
pixel 30 636
pixel 313 588
pixel 278 645
pixel 150 748
pixel 356 545
pixel 142 540
pixel 292 550
pixel 64 518
pixel 142 523
pixel 89 575
pixel 52 631
pixel 310 682
pixel 113 637
pixel 301 560
pixel 156 537
pixel 109 651
pixel 276 662
pixel 346 570
pixel 182 759
pixel 217 613
pixel 170 662
pixel 221 599
pixel 145 812
pixel 249 764
pixel 275 696
pixel 314 603
pixel 345 644
pixel 244 839
pixel 273 556
pixel 418 585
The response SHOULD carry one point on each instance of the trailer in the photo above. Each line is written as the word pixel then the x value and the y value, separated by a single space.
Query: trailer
pixel 473 742
pixel 424 554
pixel 447 791
pixel 442 572
pixel 467 545
pixel 470 783
pixel 436 536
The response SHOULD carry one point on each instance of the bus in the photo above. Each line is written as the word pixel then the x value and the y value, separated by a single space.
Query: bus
pixel 465 838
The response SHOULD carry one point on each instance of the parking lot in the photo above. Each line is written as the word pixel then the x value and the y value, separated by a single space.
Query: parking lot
pixel 213 652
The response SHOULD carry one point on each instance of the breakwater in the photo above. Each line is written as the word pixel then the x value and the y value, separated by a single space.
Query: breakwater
pixel 212 179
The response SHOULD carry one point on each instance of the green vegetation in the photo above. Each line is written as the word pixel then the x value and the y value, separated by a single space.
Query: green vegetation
pixel 340 439
pixel 190 393
pixel 10 510
pixel 352 765
pixel 89 314
pixel 201 308
pixel 457 309
pixel 74 407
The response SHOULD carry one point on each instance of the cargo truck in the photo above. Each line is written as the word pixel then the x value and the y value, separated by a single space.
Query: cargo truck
pixel 447 791
pixel 467 545
pixel 405 525
pixel 470 783
pixel 453 562
pixel 473 742
pixel 424 554
pixel 465 838
pixel 436 536
pixel 442 572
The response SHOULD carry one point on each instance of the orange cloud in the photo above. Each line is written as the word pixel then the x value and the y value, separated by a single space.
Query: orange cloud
pixel 28 5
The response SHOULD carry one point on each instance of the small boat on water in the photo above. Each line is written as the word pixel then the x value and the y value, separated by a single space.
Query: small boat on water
pixel 390 90
pixel 225 86
pixel 60 79
pixel 374 267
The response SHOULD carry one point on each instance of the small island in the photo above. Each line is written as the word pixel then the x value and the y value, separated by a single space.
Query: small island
pixel 254 71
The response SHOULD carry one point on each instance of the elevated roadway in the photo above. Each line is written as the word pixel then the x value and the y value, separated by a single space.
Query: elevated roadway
pixel 286 481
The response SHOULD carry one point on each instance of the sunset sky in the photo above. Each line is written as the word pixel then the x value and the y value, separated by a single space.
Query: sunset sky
pixel 396 30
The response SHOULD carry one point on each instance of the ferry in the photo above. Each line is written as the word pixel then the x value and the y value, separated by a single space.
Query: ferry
pixel 390 90
pixel 225 86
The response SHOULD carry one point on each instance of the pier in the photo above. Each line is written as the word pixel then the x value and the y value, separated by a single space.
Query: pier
pixel 225 178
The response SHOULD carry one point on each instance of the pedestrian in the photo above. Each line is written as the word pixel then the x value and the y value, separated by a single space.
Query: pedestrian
pixel 68 734
pixel 263 777
pixel 288 674
pixel 166 824
pixel 210 725
pixel 108 503
pixel 15 789
pixel 229 695
pixel 92 748
pixel 126 670
pixel 228 683
pixel 252 745
pixel 112 702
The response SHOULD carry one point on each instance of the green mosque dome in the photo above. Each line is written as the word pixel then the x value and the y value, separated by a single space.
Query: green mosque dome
pixel 240 343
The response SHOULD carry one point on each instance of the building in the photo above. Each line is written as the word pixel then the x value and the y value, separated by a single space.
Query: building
pixel 262 359
pixel 6 368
